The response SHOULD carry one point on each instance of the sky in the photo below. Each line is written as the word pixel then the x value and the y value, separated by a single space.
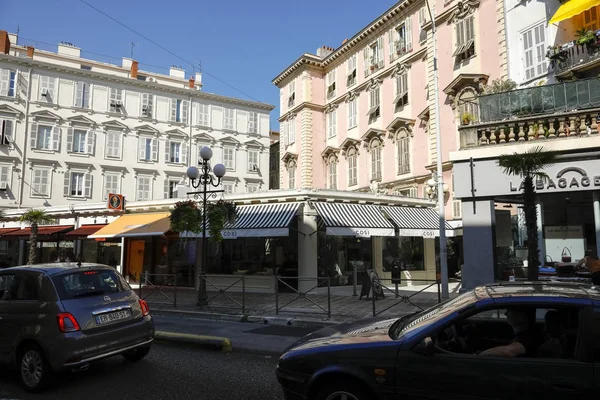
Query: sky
pixel 241 45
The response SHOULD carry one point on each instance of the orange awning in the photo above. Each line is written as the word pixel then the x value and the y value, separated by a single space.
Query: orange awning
pixel 135 225
pixel 86 230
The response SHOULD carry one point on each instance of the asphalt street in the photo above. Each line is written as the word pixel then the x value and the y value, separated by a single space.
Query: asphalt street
pixel 169 372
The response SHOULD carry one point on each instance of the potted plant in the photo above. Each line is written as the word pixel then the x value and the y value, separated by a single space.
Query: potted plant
pixel 373 63
pixel 466 118
pixel 400 47
pixel 585 37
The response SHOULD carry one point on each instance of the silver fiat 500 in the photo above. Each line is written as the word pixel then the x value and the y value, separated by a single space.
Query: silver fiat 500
pixel 63 316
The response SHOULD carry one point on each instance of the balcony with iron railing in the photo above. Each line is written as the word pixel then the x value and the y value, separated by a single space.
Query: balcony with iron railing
pixel 561 111
pixel 576 56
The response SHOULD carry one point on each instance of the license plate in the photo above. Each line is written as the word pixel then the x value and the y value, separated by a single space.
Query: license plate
pixel 111 317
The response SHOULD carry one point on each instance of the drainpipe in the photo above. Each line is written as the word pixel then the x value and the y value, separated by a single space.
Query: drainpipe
pixel 507 41
pixel 26 142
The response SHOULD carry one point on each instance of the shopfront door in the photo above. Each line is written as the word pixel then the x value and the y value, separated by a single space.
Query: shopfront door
pixel 135 258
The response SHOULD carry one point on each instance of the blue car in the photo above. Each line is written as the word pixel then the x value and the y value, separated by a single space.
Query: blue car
pixel 500 341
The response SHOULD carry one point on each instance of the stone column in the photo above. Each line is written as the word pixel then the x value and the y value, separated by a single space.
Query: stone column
pixel 596 200
pixel 429 258
pixel 479 218
pixel 377 255
pixel 540 233
pixel 307 248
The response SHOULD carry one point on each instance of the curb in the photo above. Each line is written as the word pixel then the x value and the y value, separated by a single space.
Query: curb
pixel 209 342
pixel 288 321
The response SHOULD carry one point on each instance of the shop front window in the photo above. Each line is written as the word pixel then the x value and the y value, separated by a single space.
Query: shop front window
pixel 338 257
pixel 408 250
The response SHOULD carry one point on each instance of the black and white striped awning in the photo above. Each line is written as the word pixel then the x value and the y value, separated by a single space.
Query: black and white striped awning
pixel 414 221
pixel 361 220
pixel 258 220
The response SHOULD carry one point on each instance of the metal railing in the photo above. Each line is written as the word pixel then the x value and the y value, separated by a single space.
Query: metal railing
pixel 573 57
pixel 297 295
pixel 168 281
pixel 396 289
pixel 539 100
pixel 226 289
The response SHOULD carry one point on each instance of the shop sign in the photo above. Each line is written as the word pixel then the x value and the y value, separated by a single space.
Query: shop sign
pixel 424 233
pixel 116 202
pixel 579 179
pixel 563 232
pixel 359 232
pixel 229 233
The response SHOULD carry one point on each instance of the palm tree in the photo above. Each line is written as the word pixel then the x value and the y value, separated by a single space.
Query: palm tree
pixel 529 166
pixel 34 218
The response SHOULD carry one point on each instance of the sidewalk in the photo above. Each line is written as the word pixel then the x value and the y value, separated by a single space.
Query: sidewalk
pixel 308 311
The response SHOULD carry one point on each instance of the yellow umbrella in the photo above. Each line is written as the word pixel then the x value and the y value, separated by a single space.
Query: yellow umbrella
pixel 572 8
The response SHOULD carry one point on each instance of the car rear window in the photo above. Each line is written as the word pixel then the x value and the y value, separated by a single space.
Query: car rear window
pixel 87 283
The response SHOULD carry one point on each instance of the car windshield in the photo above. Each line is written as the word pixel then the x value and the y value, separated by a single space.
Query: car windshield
pixel 418 321
pixel 87 283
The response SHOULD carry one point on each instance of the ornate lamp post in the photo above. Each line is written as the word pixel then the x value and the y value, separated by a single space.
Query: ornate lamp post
pixel 202 178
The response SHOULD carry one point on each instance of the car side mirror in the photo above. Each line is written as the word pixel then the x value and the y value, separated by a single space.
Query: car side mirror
pixel 426 347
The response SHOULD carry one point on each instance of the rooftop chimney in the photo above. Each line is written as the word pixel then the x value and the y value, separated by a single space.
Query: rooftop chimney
pixel 198 78
pixel 69 49
pixel 30 51
pixel 126 63
pixel 324 51
pixel 134 69
pixel 176 72
pixel 4 42
pixel 192 82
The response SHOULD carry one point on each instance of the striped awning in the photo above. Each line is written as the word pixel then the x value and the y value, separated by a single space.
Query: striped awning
pixel 258 220
pixel 414 221
pixel 360 220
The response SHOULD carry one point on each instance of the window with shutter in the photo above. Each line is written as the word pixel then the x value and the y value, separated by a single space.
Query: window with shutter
pixel 422 22
pixel 291 94
pixel 79 141
pixel 331 124
pixel 82 95
pixel 5 175
pixel 375 160
pixel 401 98
pixel 174 152
pixel 352 113
pixel 6 132
pixel 116 100
pixel 40 182
pixel 203 115
pixel 228 187
pixel 252 122
pixel 74 185
pixel 331 84
pixel 403 143
pixel 229 157
pixel 291 175
pixel 144 188
pixel 147 105
pixel 374 102
pixel 468 104
pixel 47 89
pixel 111 184
pixel 185 111
pixel 253 160
pixel 8 80
pixel 332 173
pixel 43 138
pixel 352 167
pixel 113 145
pixel 145 148
pixel 284 133
pixel 291 125
pixel 174 110
pixel 171 188
pixel 229 119
pixel 534 56
pixel 465 38
pixel 351 71
pixel 91 141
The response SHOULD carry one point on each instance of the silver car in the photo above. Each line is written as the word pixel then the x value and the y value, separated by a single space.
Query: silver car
pixel 63 316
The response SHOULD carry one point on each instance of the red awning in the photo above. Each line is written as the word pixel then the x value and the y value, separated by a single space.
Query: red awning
pixel 86 230
pixel 42 230
pixel 4 231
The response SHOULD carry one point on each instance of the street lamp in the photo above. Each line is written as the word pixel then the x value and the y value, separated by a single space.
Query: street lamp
pixel 433 192
pixel 202 178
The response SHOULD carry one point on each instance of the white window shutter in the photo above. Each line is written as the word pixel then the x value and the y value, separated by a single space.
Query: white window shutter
pixel 366 60
pixel 67 185
pixel 4 81
pixel 334 122
pixel 380 52
pixel 185 106
pixel 167 151
pixel 8 130
pixel 173 105
pixel 56 138
pixel 166 188
pixel 184 153
pixel 142 148
pixel 140 189
pixel 34 133
pixel 87 185
pixel 154 149
pixel 79 94
pixel 408 33
pixel 69 139
pixel 4 173
pixel 391 44
pixel 90 138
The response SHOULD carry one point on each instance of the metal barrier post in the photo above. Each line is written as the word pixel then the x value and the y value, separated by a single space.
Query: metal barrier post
pixel 140 282
pixel 243 295
pixel 329 297
pixel 372 296
pixel 397 295
pixel 354 279
pixel 175 292
pixel 276 295
pixel 439 292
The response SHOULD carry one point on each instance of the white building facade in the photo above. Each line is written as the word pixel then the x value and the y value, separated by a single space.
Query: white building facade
pixel 74 130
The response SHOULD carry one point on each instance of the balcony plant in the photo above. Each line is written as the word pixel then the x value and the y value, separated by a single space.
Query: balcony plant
pixel 400 47
pixel 530 167
pixel 466 118
pixel 585 37
pixel 373 63
pixel 556 53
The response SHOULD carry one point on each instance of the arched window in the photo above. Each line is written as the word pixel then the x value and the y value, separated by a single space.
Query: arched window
pixel 468 104
pixel 332 171
pixel 403 148
pixel 352 167
pixel 375 150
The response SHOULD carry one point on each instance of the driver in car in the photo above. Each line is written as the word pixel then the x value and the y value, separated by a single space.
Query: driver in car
pixel 522 345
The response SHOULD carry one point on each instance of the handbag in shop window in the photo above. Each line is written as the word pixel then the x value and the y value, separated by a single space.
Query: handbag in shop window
pixel 566 255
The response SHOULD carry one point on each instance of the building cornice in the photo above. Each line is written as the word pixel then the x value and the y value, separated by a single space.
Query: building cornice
pixel 149 86
pixel 300 107
pixel 357 39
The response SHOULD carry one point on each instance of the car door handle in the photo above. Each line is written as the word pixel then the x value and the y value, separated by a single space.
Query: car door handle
pixel 564 387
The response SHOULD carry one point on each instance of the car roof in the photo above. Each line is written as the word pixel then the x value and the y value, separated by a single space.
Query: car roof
pixel 573 290
pixel 58 268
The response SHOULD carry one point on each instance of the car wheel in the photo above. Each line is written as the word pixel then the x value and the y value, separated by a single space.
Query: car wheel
pixel 34 369
pixel 341 391
pixel 137 354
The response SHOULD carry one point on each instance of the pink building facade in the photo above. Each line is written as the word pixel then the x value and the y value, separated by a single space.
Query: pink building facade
pixel 361 117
